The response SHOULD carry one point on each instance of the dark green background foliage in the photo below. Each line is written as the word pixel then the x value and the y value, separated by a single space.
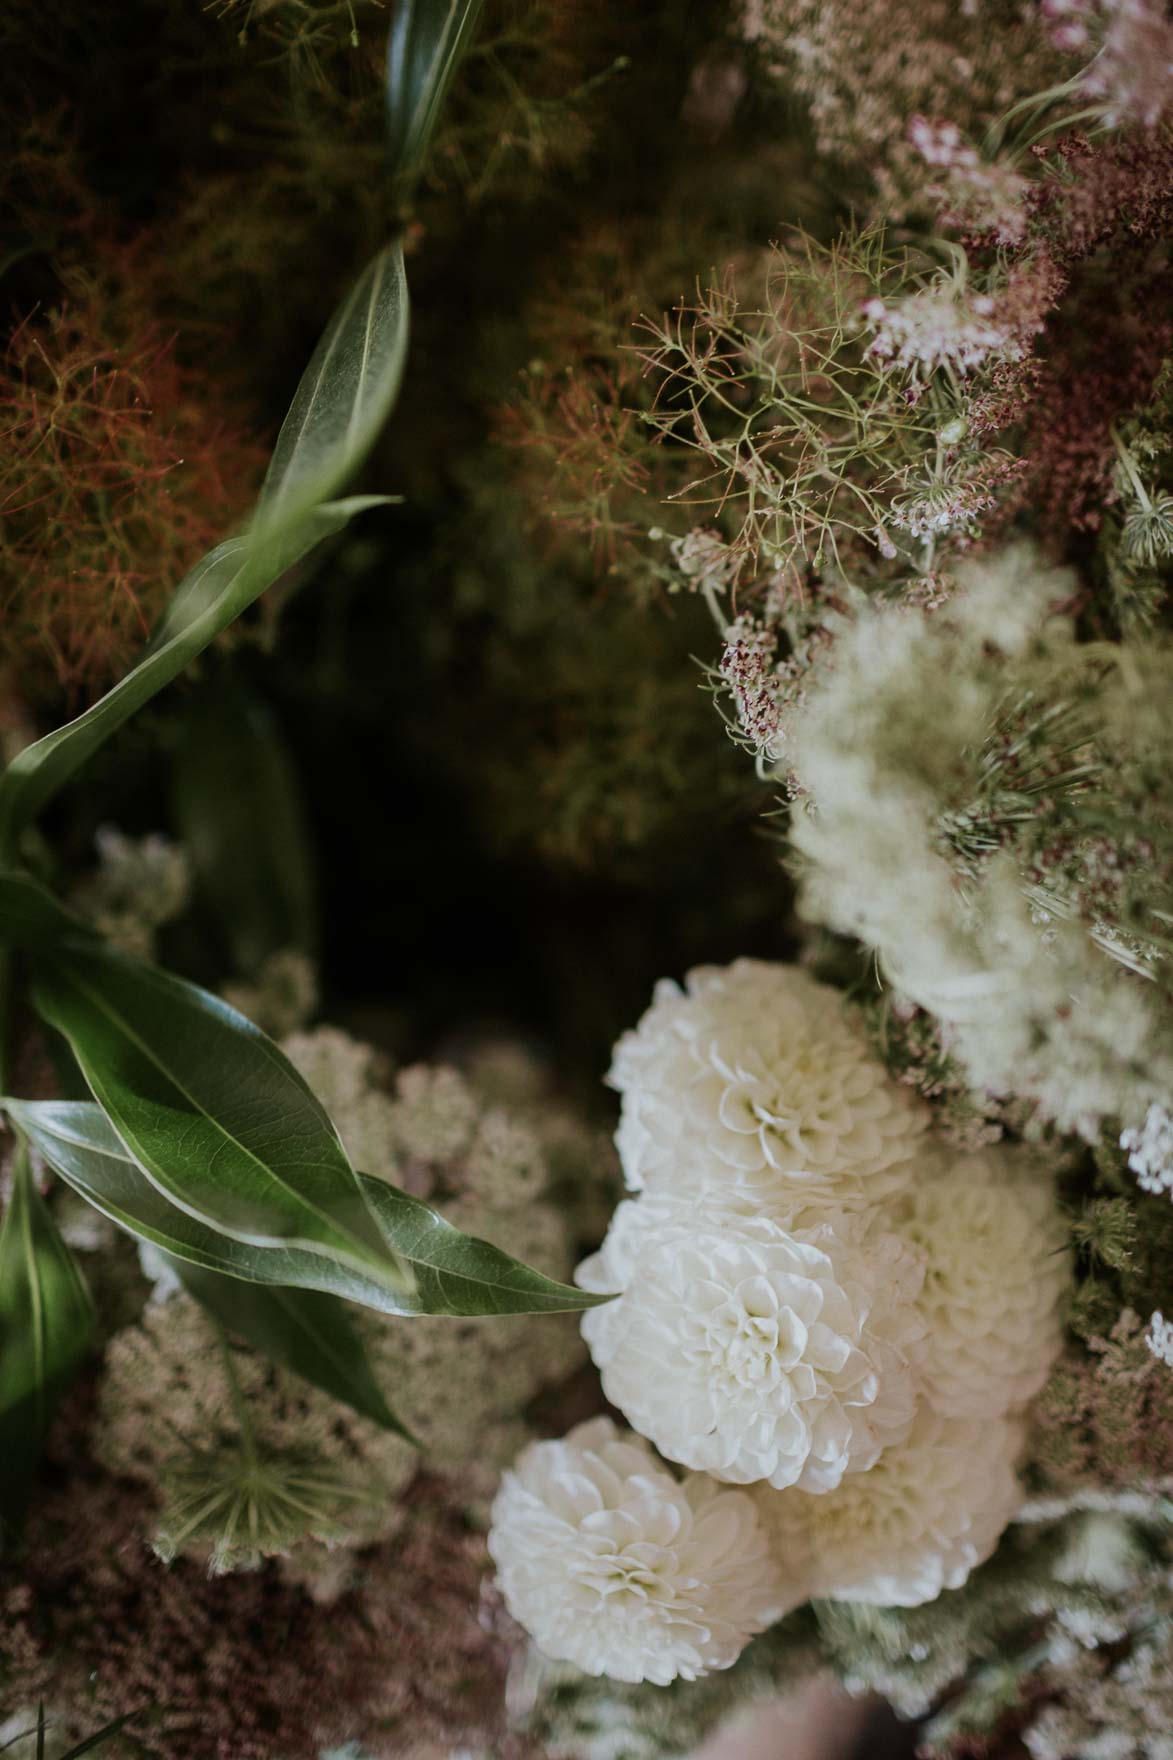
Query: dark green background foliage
pixel 508 777
pixel 406 733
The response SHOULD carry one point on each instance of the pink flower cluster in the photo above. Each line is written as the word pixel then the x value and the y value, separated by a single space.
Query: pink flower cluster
pixel 979 196
pixel 1132 67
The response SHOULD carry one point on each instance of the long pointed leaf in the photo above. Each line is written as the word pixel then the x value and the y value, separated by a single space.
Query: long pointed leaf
pixel 46 1323
pixel 310 1333
pixel 212 1111
pixel 456 1275
pixel 211 597
pixel 30 917
pixel 344 396
pixel 79 1143
pixel 428 38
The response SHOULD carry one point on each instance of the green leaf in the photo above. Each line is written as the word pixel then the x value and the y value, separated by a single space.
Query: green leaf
pixel 239 815
pixel 31 918
pixel 46 1324
pixel 310 1333
pixel 428 38
pixel 212 596
pixel 79 1143
pixel 344 396
pixel 211 1110
pixel 455 1275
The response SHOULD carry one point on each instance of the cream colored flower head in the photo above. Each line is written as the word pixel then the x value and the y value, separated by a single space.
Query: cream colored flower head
pixel 615 1565
pixel 751 1352
pixel 756 1077
pixel 997 1268
pixel 928 1513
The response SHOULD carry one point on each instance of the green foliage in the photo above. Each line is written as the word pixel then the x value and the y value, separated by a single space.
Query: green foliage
pixel 428 38
pixel 1137 541
pixel 46 1323
pixel 81 1145
pixel 210 1108
pixel 205 1140
pixel 799 435
pixel 451 1273
pixel 1107 1229
pixel 31 918
pixel 212 596
pixel 307 1331
pixel 342 401
pixel 241 819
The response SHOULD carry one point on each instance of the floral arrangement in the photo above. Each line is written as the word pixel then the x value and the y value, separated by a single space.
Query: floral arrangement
pixel 724 529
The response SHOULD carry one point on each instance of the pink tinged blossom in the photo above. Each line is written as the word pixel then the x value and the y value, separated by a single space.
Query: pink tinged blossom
pixel 1133 72
pixel 1159 1338
pixel 936 327
pixel 940 143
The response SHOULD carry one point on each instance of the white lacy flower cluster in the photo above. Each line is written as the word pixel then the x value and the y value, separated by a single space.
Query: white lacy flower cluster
pixel 814 1301
pixel 140 884
pixel 1150 1151
pixel 939 326
pixel 1012 943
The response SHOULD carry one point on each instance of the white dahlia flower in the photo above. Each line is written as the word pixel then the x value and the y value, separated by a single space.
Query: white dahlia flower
pixel 613 1564
pixel 997 1267
pixel 751 1352
pixel 756 1077
pixel 929 1512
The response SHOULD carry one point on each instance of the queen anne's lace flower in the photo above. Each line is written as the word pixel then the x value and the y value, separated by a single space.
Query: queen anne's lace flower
pixel 997 1268
pixel 1150 1151
pixel 939 326
pixel 616 1566
pixel 1159 1338
pixel 754 1353
pixel 756 1078
pixel 927 1514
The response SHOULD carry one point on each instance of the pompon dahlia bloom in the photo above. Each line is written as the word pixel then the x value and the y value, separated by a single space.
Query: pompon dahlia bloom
pixel 929 1512
pixel 613 1564
pixel 756 1078
pixel 997 1267
pixel 751 1352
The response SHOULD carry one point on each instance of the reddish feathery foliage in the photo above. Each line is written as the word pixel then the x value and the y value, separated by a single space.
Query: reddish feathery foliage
pixel 1095 193
pixel 114 479
pixel 1084 389
pixel 1066 397
pixel 584 471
